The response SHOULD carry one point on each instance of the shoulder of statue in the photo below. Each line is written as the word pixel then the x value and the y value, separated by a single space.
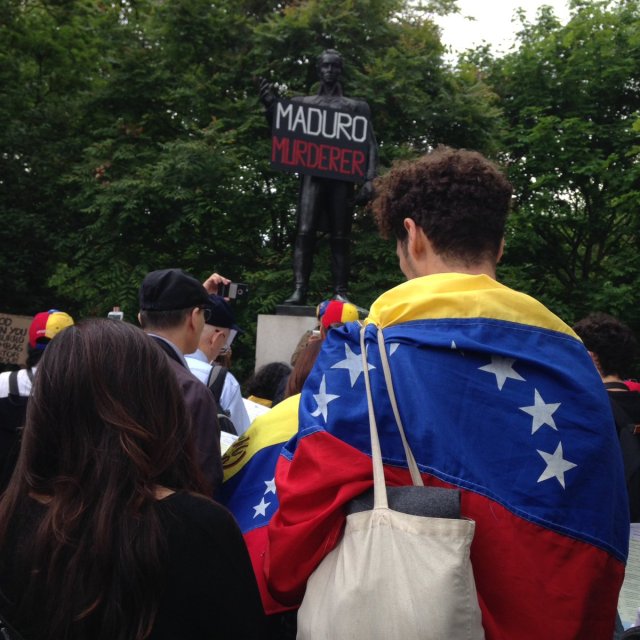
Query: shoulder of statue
pixel 362 102
pixel 358 105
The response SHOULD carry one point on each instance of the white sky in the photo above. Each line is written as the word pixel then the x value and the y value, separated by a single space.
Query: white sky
pixel 492 22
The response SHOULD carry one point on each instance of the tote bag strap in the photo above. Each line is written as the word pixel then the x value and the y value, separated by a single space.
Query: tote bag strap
pixel 379 487
pixel 411 461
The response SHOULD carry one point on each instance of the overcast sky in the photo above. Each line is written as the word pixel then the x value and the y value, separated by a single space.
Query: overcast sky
pixel 492 22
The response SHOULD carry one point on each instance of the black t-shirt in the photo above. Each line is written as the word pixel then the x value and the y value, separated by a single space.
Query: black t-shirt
pixel 626 411
pixel 210 591
pixel 13 410
pixel 629 401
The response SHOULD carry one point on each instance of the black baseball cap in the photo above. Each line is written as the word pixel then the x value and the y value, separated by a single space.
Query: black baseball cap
pixel 171 289
pixel 221 314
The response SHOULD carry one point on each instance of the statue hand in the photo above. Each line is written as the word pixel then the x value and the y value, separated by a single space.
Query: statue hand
pixel 366 193
pixel 267 96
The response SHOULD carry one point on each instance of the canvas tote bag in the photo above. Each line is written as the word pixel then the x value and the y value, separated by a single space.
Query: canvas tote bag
pixel 393 575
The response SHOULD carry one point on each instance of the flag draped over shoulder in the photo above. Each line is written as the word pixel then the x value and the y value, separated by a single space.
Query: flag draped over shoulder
pixel 249 489
pixel 498 398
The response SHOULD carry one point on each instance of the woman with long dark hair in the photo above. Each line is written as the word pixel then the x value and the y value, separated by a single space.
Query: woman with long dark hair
pixel 104 531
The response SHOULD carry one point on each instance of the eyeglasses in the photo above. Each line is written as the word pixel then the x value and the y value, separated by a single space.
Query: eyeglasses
pixel 206 312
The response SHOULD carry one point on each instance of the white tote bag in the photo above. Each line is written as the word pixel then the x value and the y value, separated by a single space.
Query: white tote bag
pixel 393 575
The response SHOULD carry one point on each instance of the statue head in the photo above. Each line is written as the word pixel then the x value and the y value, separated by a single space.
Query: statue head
pixel 329 66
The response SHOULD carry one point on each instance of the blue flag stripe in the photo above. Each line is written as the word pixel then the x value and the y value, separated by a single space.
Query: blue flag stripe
pixel 527 419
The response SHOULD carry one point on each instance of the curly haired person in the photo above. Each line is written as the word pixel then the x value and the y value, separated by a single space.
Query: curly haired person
pixel 500 400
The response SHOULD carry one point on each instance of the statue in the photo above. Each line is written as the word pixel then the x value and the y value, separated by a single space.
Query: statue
pixel 326 204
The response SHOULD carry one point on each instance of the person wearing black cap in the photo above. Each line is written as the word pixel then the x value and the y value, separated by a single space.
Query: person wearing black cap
pixel 173 310
pixel 216 338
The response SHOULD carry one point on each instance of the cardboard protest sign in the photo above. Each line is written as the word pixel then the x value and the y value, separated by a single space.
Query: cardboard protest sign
pixel 320 141
pixel 14 338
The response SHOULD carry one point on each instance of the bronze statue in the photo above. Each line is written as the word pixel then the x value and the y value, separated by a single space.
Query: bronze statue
pixel 326 204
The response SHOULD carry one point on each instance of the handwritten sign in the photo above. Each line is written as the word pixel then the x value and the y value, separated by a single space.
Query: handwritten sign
pixel 14 338
pixel 320 141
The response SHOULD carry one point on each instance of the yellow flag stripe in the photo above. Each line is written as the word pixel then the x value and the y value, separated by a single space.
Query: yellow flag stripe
pixel 458 295
pixel 276 426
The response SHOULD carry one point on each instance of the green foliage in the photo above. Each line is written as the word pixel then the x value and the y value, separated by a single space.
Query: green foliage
pixel 133 140
pixel 49 61
pixel 571 98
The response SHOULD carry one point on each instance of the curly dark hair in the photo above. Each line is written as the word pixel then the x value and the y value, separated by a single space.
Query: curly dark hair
pixel 458 197
pixel 612 341
pixel 268 382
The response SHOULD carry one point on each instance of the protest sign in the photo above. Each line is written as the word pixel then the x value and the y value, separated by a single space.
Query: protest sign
pixel 14 338
pixel 320 141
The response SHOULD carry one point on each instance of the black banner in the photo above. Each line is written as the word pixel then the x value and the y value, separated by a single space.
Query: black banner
pixel 319 141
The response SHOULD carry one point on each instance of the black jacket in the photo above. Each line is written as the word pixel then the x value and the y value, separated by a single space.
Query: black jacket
pixel 626 411
pixel 204 415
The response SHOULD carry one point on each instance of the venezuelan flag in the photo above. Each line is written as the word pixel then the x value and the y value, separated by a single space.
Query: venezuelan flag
pixel 249 488
pixel 499 399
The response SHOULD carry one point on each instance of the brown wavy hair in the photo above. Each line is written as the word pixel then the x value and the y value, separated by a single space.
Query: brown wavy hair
pixel 106 425
pixel 459 198
pixel 302 368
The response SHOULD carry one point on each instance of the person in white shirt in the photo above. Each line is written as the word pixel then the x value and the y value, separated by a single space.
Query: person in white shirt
pixel 218 334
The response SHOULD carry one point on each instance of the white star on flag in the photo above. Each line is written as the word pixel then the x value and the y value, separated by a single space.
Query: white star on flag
pixel 271 486
pixel 261 508
pixel 541 413
pixel 454 347
pixel 393 347
pixel 502 368
pixel 556 465
pixel 323 399
pixel 352 363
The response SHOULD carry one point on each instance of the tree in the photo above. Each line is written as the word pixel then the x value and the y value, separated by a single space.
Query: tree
pixel 180 144
pixel 49 61
pixel 393 59
pixel 157 149
pixel 571 98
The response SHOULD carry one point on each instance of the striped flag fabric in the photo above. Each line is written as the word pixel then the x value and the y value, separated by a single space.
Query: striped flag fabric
pixel 500 399
pixel 248 489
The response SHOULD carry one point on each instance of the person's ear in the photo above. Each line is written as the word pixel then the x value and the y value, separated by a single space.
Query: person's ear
pixel 216 337
pixel 416 239
pixel 500 251
pixel 193 318
pixel 409 226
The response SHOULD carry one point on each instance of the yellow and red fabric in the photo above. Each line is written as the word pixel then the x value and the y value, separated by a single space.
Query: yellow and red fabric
pixel 249 489
pixel 499 399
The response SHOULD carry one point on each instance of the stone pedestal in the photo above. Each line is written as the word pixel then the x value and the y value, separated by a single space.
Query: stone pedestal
pixel 278 335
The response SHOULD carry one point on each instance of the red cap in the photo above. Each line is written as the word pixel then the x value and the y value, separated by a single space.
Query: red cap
pixel 331 311
pixel 46 325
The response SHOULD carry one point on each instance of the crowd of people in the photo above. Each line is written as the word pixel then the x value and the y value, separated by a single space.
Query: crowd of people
pixel 122 517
